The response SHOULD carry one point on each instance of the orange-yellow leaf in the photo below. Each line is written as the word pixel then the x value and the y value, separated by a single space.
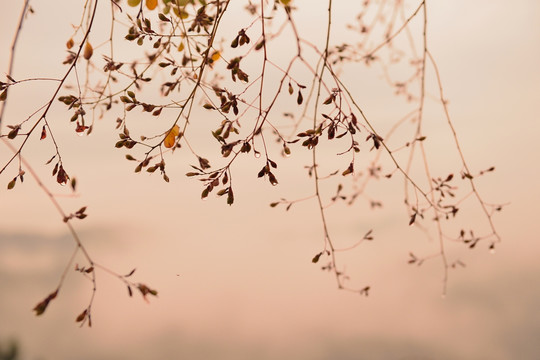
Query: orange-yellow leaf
pixel 88 51
pixel 216 56
pixel 171 137
pixel 70 43
pixel 134 3
pixel 151 4
pixel 181 46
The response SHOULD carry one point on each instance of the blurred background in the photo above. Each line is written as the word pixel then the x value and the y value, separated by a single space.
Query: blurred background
pixel 237 282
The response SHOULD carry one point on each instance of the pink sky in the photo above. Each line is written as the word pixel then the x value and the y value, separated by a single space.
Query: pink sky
pixel 237 282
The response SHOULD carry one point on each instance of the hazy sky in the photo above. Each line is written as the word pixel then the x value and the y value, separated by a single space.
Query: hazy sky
pixel 238 282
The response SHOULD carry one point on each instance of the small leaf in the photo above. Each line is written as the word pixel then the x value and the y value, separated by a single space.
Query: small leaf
pixel 216 56
pixel 145 290
pixel 365 291
pixel 204 194
pixel 62 177
pixel 316 258
pixel 133 3
pixel 151 4
pixel 170 139
pixel 286 150
pixel 70 43
pixel 13 133
pixel 11 184
pixel 43 133
pixel 42 306
pixel 204 163
pixel 88 51
pixel 272 179
pixel 349 170
pixel 130 273
pixel 222 192
pixel 260 44
pixel 368 236
pixel 329 100
pixel 230 197
pixel 3 95
pixel 376 142
pixel 81 316
pixel 50 160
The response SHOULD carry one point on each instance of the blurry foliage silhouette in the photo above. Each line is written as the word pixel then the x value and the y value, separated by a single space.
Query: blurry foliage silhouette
pixel 266 91
pixel 9 350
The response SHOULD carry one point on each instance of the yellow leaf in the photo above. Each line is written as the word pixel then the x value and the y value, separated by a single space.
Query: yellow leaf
pixel 171 137
pixel 182 2
pixel 285 2
pixel 151 4
pixel 88 51
pixel 134 2
pixel 70 43
pixel 216 56
pixel 181 46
